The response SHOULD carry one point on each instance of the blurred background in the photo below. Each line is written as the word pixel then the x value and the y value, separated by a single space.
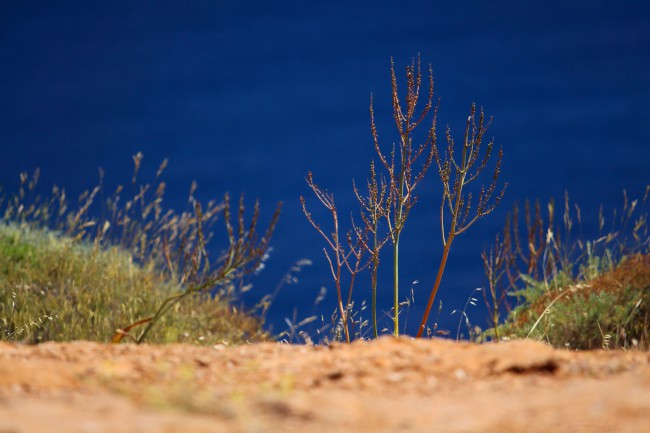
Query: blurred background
pixel 249 96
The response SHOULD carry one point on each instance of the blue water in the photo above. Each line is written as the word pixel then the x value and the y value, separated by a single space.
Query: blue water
pixel 249 97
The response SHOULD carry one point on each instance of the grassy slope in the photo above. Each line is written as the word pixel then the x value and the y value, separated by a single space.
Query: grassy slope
pixel 55 288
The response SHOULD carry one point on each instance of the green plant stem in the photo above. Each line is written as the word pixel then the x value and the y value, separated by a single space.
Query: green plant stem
pixel 344 311
pixel 374 310
pixel 396 286
pixel 547 309
pixel 495 318
pixel 344 319
pixel 162 310
pixel 349 303
pixel 375 266
pixel 398 231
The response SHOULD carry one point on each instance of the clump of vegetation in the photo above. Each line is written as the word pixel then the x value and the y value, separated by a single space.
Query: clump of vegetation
pixel 390 198
pixel 85 273
pixel 570 292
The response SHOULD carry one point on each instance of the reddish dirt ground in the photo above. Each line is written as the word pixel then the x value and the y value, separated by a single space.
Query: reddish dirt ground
pixel 382 386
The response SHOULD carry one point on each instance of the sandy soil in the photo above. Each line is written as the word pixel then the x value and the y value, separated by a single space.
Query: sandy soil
pixel 383 386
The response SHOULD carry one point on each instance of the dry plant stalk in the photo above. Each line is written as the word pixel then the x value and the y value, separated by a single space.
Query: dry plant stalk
pixel 405 176
pixel 508 258
pixel 534 259
pixel 497 261
pixel 342 256
pixel 374 208
pixel 244 255
pixel 455 176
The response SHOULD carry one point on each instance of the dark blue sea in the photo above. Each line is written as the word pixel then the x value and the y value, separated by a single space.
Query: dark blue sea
pixel 249 96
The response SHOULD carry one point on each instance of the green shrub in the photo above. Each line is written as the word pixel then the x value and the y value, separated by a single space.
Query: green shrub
pixel 609 311
pixel 568 292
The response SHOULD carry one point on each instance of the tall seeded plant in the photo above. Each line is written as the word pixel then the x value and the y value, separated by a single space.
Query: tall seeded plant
pixel 344 256
pixel 403 175
pixel 456 175
pixel 374 208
